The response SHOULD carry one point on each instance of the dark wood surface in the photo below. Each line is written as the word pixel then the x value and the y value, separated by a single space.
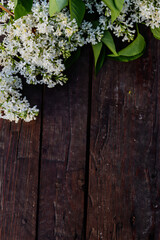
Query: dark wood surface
pixel 63 157
pixel 124 162
pixel 89 167
pixel 19 160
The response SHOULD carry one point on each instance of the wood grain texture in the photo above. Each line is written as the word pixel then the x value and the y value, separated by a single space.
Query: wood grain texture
pixel 64 137
pixel 124 159
pixel 124 168
pixel 19 161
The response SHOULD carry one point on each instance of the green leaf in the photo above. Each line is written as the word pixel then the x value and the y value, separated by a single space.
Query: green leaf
pixel 156 33
pixel 100 60
pixel 132 51
pixel 22 7
pixel 135 48
pixel 115 6
pixel 109 42
pixel 96 51
pixel 56 6
pixel 99 52
pixel 124 58
pixel 77 10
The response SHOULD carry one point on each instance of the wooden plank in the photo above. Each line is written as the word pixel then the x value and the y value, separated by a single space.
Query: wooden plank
pixel 19 161
pixel 62 178
pixel 155 176
pixel 124 180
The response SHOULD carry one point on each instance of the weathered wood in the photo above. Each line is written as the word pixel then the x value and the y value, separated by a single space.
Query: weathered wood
pixel 124 166
pixel 124 192
pixel 19 161
pixel 62 177
pixel 155 171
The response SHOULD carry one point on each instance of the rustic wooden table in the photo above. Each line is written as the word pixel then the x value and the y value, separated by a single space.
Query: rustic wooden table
pixel 89 167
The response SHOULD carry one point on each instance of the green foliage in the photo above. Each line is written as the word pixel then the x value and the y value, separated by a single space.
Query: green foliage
pixel 156 33
pixel 115 6
pixel 101 60
pixel 109 42
pixel 99 56
pixel 77 10
pixel 22 7
pixel 96 51
pixel 56 6
pixel 129 53
pixel 132 51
